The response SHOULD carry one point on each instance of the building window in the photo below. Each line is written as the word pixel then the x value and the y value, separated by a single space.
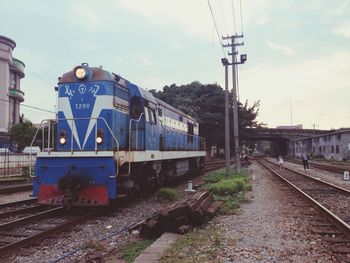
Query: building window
pixel 323 148
pixel 332 149
pixel 320 149
pixel 337 149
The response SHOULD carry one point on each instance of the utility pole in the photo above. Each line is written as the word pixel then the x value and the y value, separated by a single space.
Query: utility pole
pixel 227 123
pixel 243 58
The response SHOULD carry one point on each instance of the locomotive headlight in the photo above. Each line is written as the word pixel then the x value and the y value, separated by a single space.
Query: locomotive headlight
pixel 99 136
pixel 63 137
pixel 80 73
pixel 63 140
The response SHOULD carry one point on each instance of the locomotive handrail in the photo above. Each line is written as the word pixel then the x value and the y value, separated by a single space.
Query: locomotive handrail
pixel 130 122
pixel 47 122
pixel 31 144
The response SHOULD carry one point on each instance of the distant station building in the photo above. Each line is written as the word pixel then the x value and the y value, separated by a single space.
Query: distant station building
pixel 332 146
pixel 11 72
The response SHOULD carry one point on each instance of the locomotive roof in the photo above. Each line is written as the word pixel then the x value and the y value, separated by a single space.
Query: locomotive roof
pixel 99 74
pixel 166 105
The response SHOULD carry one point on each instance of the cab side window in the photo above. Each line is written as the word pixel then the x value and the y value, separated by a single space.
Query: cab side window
pixel 136 107
pixel 150 115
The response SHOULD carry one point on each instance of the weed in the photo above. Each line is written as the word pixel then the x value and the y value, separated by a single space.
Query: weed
pixel 215 177
pixel 166 193
pixel 132 250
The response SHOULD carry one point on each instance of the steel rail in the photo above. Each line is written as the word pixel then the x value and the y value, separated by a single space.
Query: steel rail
pixel 331 168
pixel 46 233
pixel 341 189
pixel 22 210
pixel 30 218
pixel 21 202
pixel 15 188
pixel 334 219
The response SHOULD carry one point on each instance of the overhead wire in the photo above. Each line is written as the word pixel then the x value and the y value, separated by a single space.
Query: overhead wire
pixel 240 5
pixel 216 28
pixel 28 106
pixel 223 17
pixel 234 16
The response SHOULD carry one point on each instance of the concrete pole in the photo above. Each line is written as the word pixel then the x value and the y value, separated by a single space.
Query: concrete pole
pixel 227 122
pixel 235 106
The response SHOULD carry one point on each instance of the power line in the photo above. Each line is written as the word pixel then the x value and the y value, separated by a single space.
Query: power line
pixel 216 28
pixel 234 17
pixel 240 5
pixel 223 17
pixel 28 106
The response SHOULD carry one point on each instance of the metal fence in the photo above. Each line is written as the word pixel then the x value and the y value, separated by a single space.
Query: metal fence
pixel 13 164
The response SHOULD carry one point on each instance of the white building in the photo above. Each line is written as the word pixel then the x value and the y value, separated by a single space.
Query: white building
pixel 11 72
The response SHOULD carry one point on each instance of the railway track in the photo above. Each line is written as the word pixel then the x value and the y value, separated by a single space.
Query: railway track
pixel 19 208
pixel 327 167
pixel 30 229
pixel 328 200
pixel 31 222
pixel 12 188
pixel 209 166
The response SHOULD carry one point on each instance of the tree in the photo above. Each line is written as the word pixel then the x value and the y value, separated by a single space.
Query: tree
pixel 206 103
pixel 22 134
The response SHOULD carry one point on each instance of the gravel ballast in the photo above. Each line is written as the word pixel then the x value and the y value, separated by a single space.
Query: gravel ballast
pixel 269 228
pixel 254 234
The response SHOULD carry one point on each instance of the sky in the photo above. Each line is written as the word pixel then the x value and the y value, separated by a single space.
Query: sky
pixel 298 51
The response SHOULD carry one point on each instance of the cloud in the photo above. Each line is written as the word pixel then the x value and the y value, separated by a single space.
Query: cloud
pixel 146 61
pixel 289 51
pixel 316 85
pixel 343 30
pixel 340 11
pixel 191 16
pixel 89 18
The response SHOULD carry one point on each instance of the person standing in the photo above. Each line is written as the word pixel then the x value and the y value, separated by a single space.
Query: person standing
pixel 305 158
pixel 280 162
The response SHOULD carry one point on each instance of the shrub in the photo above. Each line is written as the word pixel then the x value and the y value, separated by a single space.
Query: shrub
pixel 166 193
pixel 230 186
pixel 215 177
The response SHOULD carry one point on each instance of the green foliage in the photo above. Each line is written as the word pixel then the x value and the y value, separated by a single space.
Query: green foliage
pixel 228 190
pixel 134 249
pixel 230 186
pixel 22 134
pixel 166 193
pixel 230 203
pixel 215 176
pixel 206 103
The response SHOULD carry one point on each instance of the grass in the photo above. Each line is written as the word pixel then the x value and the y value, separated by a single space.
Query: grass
pixel 166 193
pixel 215 176
pixel 200 245
pixel 228 190
pixel 229 186
pixel 132 250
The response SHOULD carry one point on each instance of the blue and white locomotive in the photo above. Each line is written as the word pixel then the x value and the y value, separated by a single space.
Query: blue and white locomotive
pixel 109 137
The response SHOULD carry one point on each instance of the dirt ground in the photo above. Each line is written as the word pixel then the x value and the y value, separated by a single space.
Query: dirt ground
pixel 270 227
